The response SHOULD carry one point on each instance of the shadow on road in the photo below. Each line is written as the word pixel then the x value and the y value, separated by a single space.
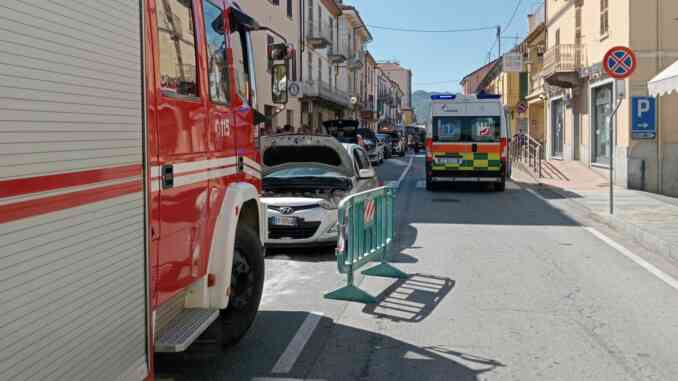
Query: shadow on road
pixel 410 300
pixel 334 352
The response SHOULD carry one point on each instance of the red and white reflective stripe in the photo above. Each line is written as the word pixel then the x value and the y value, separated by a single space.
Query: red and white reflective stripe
pixel 368 212
pixel 32 196
pixel 197 171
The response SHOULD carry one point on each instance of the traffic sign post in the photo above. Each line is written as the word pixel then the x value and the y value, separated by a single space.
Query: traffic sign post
pixel 619 63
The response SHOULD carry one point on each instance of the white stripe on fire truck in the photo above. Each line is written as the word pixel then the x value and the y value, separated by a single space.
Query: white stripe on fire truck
pixel 252 163
pixel 63 191
pixel 251 172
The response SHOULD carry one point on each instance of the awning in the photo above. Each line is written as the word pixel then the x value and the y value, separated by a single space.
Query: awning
pixel 665 82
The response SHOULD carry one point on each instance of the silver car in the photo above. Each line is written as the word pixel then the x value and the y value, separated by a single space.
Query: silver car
pixel 304 179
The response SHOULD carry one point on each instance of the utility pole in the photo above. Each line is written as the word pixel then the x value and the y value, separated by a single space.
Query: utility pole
pixel 499 38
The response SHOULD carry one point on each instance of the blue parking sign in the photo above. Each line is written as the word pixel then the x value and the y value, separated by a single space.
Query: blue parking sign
pixel 644 118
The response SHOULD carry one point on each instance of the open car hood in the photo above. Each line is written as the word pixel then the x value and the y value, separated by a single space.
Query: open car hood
pixel 299 150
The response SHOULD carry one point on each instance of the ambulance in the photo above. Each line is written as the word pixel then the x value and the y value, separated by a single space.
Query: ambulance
pixel 467 141
pixel 130 219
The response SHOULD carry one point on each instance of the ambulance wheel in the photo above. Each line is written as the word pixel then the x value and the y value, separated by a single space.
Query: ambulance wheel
pixel 247 284
pixel 500 187
pixel 429 184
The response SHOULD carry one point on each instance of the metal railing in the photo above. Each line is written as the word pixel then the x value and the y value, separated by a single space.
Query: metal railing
pixel 322 89
pixel 318 33
pixel 366 229
pixel 564 58
pixel 527 150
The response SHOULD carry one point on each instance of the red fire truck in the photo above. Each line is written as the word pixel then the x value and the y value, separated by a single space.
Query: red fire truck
pixel 129 181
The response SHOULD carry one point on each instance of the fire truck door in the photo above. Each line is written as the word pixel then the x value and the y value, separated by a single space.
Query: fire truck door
pixel 182 138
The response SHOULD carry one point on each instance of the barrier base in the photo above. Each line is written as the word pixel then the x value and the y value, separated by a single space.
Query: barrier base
pixel 385 270
pixel 351 294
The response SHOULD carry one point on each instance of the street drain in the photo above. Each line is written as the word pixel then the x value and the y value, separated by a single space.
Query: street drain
pixel 445 200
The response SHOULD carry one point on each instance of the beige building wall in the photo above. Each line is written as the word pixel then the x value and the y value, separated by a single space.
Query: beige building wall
pixel 403 77
pixel 274 16
pixel 649 28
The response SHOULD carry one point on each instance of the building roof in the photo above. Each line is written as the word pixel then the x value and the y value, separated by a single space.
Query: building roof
pixel 361 24
pixel 332 6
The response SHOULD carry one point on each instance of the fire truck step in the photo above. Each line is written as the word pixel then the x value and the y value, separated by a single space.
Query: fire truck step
pixel 184 329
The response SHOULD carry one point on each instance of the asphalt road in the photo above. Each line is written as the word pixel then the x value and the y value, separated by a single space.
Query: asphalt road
pixel 503 286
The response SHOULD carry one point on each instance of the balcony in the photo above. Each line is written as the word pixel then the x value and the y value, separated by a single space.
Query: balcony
pixel 318 34
pixel 536 85
pixel 338 53
pixel 323 91
pixel 561 65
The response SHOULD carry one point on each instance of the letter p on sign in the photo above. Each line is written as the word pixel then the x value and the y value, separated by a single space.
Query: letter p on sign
pixel 643 107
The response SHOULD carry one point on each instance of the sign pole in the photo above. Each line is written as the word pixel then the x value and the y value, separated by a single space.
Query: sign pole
pixel 612 146
pixel 619 62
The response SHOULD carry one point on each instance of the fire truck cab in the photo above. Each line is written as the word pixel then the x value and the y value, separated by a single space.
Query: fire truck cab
pixel 467 141
pixel 129 187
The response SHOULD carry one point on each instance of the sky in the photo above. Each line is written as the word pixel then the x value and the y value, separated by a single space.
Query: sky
pixel 441 57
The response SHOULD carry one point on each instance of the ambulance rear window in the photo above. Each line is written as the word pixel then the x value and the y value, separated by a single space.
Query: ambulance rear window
pixel 467 129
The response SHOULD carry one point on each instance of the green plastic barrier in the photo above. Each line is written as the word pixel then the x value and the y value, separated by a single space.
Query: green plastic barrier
pixel 366 229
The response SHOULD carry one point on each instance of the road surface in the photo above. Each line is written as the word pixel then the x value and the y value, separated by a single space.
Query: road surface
pixel 503 286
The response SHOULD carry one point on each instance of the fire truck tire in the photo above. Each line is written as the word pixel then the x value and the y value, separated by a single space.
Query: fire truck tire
pixel 247 283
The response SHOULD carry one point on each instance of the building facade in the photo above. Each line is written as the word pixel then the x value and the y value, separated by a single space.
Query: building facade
pixel 535 47
pixel 368 115
pixel 581 97
pixel 403 78
pixel 284 17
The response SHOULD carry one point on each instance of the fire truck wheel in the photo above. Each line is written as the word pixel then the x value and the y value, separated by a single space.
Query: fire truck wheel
pixel 247 283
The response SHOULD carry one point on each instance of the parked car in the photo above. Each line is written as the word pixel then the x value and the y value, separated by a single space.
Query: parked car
pixel 385 139
pixel 304 179
pixel 397 144
pixel 349 131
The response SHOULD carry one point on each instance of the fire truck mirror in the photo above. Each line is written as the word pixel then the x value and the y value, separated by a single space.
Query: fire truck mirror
pixel 279 83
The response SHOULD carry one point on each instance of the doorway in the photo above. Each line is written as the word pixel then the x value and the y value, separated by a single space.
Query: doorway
pixel 557 128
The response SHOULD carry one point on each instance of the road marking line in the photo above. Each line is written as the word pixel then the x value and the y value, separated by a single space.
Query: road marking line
pixel 638 260
pixel 407 169
pixel 294 348
pixel 666 278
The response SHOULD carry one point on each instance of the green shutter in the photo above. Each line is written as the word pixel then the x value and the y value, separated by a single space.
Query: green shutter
pixel 524 86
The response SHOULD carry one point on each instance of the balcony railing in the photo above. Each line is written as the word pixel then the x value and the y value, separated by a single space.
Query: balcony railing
pixel 323 90
pixel 318 34
pixel 564 58
pixel 561 64
pixel 338 52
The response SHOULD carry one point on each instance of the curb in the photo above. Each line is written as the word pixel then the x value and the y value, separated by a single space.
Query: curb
pixel 650 241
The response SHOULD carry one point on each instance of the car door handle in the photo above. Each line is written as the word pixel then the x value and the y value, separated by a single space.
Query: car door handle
pixel 167 176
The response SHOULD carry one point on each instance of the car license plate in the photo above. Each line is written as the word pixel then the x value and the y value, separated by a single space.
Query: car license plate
pixel 450 160
pixel 284 221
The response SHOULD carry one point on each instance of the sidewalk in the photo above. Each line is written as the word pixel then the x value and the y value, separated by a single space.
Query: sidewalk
pixel 650 219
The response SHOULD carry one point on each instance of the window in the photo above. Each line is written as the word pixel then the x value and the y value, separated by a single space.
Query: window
pixel 216 53
pixel 275 2
pixel 269 42
pixel 320 70
pixel 309 63
pixel 290 117
pixel 329 75
pixel 238 44
pixel 467 129
pixel 604 18
pixel 176 42
pixel 290 13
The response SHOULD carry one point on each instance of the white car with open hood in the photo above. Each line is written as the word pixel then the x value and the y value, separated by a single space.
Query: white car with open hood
pixel 304 179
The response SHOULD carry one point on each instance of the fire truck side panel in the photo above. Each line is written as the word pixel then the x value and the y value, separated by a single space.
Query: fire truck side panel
pixel 72 202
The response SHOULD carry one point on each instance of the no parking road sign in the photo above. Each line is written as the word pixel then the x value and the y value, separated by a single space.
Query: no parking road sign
pixel 620 62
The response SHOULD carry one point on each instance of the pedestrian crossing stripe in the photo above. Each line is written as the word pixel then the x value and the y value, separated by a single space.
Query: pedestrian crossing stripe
pixel 469 161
